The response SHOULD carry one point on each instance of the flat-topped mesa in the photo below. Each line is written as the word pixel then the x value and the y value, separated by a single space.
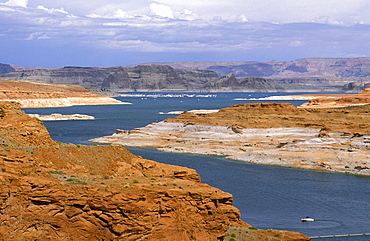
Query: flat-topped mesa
pixel 273 115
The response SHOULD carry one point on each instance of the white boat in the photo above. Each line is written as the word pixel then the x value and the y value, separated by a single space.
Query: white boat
pixel 307 219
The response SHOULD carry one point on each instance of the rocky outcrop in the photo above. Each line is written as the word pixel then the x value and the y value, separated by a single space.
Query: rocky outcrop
pixel 39 95
pixel 55 191
pixel 281 134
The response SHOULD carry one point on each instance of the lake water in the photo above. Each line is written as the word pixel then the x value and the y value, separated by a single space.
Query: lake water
pixel 267 196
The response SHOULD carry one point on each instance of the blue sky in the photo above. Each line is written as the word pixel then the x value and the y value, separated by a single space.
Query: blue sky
pixel 57 33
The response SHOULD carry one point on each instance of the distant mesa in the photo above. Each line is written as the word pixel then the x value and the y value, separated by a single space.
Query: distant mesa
pixel 302 75
pixel 6 68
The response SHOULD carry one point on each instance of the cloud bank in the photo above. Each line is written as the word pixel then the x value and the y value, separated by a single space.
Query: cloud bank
pixel 106 33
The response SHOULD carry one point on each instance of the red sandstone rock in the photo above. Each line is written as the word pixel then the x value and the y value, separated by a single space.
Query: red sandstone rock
pixel 55 191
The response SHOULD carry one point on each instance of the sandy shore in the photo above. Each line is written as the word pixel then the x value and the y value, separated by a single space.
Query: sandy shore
pixel 304 148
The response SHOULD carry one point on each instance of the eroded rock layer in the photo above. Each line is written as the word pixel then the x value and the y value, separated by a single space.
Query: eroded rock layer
pixel 54 191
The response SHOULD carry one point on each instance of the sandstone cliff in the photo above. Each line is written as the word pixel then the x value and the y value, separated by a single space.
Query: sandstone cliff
pixel 39 95
pixel 54 191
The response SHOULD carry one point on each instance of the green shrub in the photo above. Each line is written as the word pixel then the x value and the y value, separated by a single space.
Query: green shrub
pixel 136 181
pixel 76 181
pixel 56 172
pixel 233 235
pixel 253 228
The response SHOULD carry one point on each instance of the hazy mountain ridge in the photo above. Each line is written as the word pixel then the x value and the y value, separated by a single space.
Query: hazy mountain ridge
pixel 311 74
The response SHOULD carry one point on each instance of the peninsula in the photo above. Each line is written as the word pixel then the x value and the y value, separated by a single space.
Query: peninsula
pixel 335 138
pixel 40 95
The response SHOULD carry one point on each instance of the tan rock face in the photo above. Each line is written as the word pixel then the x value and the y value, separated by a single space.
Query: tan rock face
pixel 69 192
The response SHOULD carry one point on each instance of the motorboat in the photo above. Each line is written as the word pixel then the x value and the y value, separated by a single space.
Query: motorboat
pixel 307 219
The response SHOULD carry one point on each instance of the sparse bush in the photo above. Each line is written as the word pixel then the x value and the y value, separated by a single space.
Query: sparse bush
pixel 76 181
pixel 57 172
pixel 136 181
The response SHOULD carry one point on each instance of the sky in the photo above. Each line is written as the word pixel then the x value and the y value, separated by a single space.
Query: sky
pixel 57 33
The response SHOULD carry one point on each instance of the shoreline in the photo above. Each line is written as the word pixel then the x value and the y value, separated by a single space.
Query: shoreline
pixel 302 148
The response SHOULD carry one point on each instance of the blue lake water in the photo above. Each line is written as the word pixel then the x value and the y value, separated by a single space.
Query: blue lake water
pixel 267 196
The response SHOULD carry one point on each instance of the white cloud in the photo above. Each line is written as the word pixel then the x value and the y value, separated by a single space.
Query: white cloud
pixel 116 14
pixel 20 3
pixel 52 10
pixel 37 35
pixel 161 10
pixel 225 27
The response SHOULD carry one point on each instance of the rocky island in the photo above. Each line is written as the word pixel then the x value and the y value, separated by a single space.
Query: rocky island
pixel 56 191
pixel 335 138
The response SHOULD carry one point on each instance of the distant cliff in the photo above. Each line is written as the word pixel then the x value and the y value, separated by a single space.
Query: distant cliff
pixel 320 74
pixel 88 77
pixel 142 77
pixel 156 78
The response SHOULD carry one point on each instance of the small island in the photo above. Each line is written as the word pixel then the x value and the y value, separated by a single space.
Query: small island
pixel 60 117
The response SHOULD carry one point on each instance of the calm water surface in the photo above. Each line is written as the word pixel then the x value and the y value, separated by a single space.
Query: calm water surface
pixel 267 196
